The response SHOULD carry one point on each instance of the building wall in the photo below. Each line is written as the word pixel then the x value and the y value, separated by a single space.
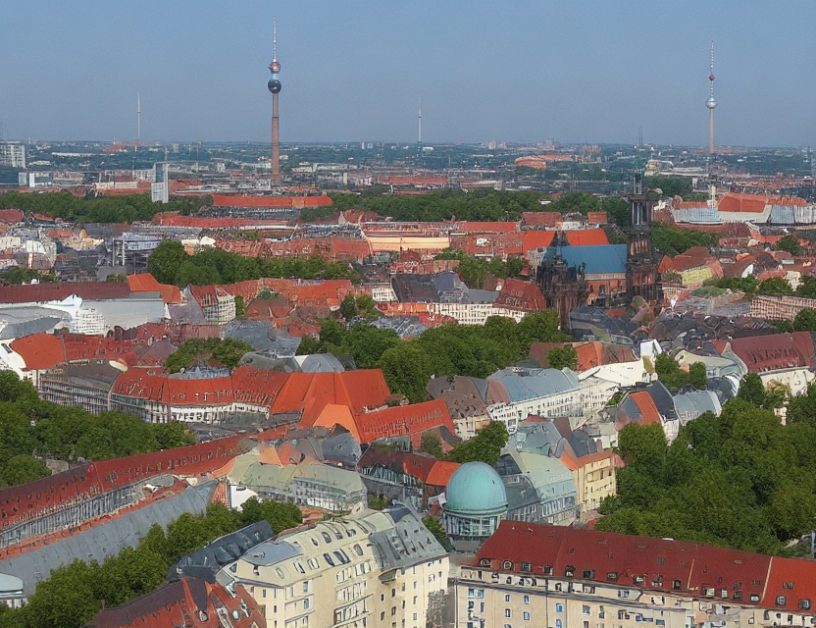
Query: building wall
pixel 594 481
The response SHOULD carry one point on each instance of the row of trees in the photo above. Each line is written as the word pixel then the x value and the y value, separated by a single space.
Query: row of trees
pixel 471 350
pixel 774 286
pixel 116 209
pixel 474 270
pixel 674 378
pixel 30 426
pixel 742 480
pixel 75 593
pixel 170 264
pixel 227 352
pixel 672 240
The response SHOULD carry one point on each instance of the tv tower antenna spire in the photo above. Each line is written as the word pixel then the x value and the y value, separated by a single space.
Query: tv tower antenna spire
pixel 138 117
pixel 274 86
pixel 419 135
pixel 711 103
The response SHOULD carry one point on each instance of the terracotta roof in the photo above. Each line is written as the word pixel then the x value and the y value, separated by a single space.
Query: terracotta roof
pixel 541 219
pixel 441 473
pixel 734 202
pixel 537 240
pixel 639 562
pixel 225 200
pixel 257 386
pixel 11 215
pixel 587 237
pixel 39 351
pixel 524 295
pixel 143 282
pixel 39 293
pixel 648 409
pixel 404 420
pixel 777 351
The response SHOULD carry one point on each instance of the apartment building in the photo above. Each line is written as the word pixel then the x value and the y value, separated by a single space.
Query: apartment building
pixel 536 575
pixel 378 569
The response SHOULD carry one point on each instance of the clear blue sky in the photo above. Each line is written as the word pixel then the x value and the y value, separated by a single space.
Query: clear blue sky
pixel 505 70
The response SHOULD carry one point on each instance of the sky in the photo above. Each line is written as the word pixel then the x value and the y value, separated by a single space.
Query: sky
pixel 577 71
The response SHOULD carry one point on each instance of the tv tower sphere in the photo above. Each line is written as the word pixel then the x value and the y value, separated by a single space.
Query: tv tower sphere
pixel 710 103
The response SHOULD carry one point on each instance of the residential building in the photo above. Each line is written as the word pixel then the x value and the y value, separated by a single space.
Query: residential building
pixel 529 574
pixel 372 569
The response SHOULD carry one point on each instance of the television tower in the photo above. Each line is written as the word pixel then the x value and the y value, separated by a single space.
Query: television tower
pixel 712 105
pixel 274 86
pixel 419 135
pixel 138 118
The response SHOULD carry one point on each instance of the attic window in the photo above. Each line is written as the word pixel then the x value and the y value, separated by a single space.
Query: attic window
pixel 781 600
pixel 805 604
pixel 548 570
pixel 612 575
pixel 507 564
pixel 484 562
pixel 754 597
pixel 569 571
pixel 526 567
pixel 787 585
pixel 588 574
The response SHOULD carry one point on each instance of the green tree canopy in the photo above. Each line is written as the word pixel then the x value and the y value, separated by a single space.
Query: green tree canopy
pixel 486 446
pixel 565 357
pixel 805 320
pixel 788 243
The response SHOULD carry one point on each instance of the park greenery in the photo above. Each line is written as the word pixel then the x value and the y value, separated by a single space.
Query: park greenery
pixel 474 270
pixel 671 240
pixel 671 185
pixel 227 352
pixel 19 275
pixel 805 320
pixel 478 205
pixel 170 264
pixel 742 480
pixel 116 209
pixel 75 593
pixel 32 430
pixel 674 378
pixel 445 351
pixel 363 305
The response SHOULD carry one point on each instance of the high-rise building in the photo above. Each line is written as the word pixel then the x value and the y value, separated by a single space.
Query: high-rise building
pixel 274 86
pixel 12 154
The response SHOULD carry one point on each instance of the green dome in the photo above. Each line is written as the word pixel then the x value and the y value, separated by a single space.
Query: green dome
pixel 475 489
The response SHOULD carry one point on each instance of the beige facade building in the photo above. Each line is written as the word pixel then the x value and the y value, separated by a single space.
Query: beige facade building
pixel 529 575
pixel 379 569
pixel 594 477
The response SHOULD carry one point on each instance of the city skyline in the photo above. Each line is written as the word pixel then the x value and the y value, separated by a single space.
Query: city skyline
pixel 518 73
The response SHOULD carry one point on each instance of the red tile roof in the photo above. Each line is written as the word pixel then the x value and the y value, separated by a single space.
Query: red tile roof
pixel 441 473
pixel 734 202
pixel 541 219
pixel 404 420
pixel 647 407
pixel 225 200
pixel 586 237
pixel 523 295
pixel 11 215
pixel 537 240
pixel 637 561
pixel 39 351
pixel 39 293
pixel 777 351
pixel 257 386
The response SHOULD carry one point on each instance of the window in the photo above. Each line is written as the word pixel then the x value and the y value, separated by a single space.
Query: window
pixel 507 564
pixel 306 586
pixel 358 549
pixel 480 593
pixel 787 585
pixel 507 598
pixel 559 608
pixel 306 604
pixel 754 597
pixel 526 616
pixel 526 566
pixel 526 599
pixel 471 593
pixel 507 612
pixel 613 575
pixel 781 600
pixel 585 610
pixel 676 584
pixel 805 604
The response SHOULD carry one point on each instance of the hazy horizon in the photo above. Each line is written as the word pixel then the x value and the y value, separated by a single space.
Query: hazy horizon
pixel 521 72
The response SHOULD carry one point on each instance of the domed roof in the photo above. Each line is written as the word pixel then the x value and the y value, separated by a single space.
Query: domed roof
pixel 475 489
